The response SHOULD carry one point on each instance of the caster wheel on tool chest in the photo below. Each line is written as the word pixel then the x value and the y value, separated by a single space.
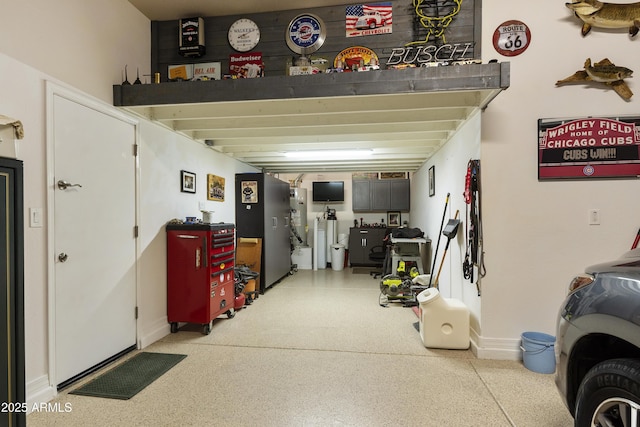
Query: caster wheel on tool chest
pixel 206 328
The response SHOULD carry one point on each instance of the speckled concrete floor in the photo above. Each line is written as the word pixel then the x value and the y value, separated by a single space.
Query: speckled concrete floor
pixel 318 350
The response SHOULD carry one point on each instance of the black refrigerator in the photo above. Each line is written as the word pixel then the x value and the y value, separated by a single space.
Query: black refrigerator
pixel 263 211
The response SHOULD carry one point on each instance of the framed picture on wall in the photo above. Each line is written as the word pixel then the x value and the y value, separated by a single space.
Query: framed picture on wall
pixel 215 188
pixel 249 191
pixel 393 219
pixel 393 175
pixel 432 181
pixel 187 182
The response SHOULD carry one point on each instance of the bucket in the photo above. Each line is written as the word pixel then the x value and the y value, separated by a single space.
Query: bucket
pixel 537 352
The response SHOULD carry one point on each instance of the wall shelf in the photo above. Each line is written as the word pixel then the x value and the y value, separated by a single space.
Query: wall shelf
pixel 471 77
pixel 403 115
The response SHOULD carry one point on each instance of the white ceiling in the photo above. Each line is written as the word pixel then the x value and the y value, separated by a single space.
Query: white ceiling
pixel 175 9
pixel 403 130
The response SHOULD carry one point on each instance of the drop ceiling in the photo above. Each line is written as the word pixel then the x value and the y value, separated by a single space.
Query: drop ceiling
pixel 401 125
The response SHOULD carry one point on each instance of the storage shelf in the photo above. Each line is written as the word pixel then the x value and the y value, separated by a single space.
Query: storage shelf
pixel 471 77
pixel 410 113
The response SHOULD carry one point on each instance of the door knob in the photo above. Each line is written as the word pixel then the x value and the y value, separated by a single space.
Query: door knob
pixel 63 185
pixel 63 257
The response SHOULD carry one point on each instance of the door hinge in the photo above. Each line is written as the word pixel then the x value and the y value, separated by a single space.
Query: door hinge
pixel 135 232
pixel 136 314
pixel 135 150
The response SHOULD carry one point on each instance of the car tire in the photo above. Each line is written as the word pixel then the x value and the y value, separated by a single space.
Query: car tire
pixel 607 387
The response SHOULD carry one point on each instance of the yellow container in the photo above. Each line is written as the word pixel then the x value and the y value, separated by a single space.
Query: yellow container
pixel 250 286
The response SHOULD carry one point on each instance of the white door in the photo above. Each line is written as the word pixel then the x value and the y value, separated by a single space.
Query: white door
pixel 94 243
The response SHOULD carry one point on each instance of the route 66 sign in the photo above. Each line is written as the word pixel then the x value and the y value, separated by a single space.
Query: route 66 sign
pixel 511 38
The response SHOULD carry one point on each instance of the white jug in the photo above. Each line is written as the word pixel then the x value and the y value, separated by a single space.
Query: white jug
pixel 207 217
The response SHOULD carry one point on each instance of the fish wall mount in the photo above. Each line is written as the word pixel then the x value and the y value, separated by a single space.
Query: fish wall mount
pixel 605 72
pixel 595 13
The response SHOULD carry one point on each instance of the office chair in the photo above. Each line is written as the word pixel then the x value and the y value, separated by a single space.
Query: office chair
pixel 381 255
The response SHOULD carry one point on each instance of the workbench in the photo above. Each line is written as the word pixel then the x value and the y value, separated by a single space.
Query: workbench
pixel 409 251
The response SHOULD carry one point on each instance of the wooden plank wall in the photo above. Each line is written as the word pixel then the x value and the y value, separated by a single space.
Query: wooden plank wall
pixel 465 28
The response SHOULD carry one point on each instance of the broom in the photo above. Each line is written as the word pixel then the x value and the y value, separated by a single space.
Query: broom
pixel 435 255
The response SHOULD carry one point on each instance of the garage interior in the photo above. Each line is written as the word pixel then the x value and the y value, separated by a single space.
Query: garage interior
pixel 423 122
pixel 400 119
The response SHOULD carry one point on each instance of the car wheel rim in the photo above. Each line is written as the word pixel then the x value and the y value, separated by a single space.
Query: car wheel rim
pixel 616 412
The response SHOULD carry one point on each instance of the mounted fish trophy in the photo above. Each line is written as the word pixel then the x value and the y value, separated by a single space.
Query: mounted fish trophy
pixel 594 13
pixel 602 72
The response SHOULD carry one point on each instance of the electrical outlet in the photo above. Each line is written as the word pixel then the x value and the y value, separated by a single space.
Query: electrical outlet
pixel 594 216
pixel 202 206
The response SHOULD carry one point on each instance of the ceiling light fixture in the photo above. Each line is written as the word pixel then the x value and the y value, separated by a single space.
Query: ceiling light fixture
pixel 330 154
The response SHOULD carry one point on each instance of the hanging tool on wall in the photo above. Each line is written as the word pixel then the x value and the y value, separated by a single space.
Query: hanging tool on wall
pixel 435 254
pixel 449 231
pixel 474 257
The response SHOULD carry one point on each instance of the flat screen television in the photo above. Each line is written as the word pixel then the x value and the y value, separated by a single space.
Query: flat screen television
pixel 328 191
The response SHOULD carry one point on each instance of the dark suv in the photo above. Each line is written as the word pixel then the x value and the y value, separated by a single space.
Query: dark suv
pixel 598 344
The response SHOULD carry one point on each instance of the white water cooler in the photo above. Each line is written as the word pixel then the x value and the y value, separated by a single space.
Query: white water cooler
pixel 444 322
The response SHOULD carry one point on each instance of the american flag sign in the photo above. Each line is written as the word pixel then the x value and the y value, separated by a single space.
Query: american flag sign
pixel 369 19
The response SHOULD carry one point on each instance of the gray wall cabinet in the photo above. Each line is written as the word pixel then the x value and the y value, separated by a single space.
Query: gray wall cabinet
pixel 381 195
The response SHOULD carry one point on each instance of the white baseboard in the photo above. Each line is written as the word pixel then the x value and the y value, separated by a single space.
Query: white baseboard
pixel 157 330
pixel 39 391
pixel 495 348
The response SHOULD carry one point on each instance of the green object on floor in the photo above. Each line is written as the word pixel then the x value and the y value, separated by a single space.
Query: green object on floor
pixel 128 379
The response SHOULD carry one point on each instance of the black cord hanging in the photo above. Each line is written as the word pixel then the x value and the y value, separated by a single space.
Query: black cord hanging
pixel 474 256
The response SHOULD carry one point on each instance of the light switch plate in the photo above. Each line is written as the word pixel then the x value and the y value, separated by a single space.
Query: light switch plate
pixel 35 217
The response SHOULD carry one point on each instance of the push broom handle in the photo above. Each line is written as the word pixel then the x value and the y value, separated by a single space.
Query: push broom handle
pixel 435 255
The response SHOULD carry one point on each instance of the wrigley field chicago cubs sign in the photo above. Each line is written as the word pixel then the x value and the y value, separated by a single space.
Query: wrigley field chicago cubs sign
pixel 590 147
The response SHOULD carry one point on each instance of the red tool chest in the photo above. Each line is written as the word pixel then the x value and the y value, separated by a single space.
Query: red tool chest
pixel 200 273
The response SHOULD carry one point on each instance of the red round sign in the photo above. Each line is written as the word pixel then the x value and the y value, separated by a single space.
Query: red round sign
pixel 511 38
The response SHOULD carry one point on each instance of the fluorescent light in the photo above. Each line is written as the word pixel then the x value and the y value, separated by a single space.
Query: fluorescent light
pixel 329 154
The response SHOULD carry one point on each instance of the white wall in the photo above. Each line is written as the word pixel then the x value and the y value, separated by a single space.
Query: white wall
pixel 427 212
pixel 344 211
pixel 28 84
pixel 85 43
pixel 536 233
pixel 83 46
pixel 163 155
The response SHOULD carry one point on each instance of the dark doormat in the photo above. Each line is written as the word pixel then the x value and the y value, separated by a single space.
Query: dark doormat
pixel 131 377
pixel 362 270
